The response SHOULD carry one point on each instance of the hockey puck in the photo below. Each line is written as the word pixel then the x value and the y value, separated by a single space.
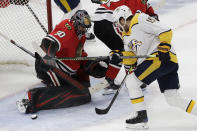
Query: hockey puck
pixel 34 116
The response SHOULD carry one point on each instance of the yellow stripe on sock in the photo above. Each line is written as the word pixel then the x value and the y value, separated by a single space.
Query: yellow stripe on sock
pixel 137 100
pixel 66 5
pixel 190 107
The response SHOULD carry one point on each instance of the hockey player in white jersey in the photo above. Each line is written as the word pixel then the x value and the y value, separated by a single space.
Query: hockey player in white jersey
pixel 144 35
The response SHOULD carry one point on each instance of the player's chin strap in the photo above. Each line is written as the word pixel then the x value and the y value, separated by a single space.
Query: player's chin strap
pixel 57 71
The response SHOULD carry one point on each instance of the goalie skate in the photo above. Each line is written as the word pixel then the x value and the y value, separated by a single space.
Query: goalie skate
pixel 139 121
pixel 22 105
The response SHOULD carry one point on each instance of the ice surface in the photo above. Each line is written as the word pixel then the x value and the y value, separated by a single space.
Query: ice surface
pixel 181 16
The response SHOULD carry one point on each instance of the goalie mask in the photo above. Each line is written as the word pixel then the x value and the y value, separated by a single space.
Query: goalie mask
pixel 81 21
pixel 121 15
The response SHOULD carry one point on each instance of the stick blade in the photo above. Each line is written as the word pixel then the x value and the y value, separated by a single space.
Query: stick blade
pixel 101 111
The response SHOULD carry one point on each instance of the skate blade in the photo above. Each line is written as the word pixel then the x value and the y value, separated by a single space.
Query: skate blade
pixel 108 92
pixel 137 126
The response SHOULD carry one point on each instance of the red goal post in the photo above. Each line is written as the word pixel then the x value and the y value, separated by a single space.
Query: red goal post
pixel 26 22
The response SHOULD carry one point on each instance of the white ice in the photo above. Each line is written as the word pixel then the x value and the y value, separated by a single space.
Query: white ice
pixel 182 17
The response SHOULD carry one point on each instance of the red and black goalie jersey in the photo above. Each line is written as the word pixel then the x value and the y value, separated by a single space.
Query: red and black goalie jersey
pixel 69 44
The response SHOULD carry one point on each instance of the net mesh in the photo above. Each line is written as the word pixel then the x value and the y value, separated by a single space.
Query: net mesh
pixel 25 22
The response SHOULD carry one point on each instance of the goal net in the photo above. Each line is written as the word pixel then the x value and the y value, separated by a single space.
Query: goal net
pixel 26 22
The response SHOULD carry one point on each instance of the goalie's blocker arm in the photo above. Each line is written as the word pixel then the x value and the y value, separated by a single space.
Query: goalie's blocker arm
pixel 49 46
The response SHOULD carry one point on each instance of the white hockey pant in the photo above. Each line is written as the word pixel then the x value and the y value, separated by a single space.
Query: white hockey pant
pixel 174 98
pixel 135 92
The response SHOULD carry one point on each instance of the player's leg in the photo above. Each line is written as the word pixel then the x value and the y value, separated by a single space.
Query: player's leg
pixel 140 119
pixel 169 85
pixel 105 32
pixel 145 73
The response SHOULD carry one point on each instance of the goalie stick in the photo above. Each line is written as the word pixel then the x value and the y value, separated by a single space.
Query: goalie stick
pixel 53 69
pixel 106 110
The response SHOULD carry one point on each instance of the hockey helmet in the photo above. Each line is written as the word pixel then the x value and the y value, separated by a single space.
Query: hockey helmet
pixel 121 15
pixel 81 18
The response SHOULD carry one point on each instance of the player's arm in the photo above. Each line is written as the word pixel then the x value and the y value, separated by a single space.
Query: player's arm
pixel 164 33
pixel 152 26
pixel 49 46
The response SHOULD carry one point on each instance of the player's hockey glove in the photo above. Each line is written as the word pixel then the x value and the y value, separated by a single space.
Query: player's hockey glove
pixel 115 57
pixel 163 52
pixel 41 63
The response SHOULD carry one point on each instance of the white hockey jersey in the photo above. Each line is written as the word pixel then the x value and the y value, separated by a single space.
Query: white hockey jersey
pixel 102 13
pixel 145 34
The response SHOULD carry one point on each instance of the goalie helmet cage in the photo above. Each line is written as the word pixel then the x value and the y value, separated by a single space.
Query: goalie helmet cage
pixel 24 21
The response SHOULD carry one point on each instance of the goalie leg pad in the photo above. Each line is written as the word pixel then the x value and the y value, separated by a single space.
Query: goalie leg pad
pixel 56 97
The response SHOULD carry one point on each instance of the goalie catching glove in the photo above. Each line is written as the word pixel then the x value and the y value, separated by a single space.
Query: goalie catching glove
pixel 163 52
pixel 115 57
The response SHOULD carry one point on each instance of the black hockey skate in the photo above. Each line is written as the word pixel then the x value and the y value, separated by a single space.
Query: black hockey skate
pixel 23 106
pixel 111 89
pixel 139 121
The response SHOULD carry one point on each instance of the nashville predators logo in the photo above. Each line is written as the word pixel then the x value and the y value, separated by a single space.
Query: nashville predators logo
pixel 134 45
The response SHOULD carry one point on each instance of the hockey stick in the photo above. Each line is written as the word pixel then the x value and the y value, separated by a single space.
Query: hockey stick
pixel 105 111
pixel 36 18
pixel 14 43
pixel 105 57
pixel 53 69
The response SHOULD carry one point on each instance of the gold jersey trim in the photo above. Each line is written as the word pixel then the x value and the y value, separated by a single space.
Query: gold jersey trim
pixel 165 37
pixel 134 21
